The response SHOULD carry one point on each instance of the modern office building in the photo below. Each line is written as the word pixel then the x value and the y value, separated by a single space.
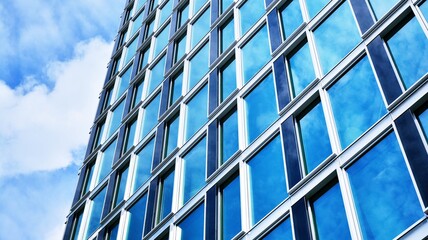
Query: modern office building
pixel 260 119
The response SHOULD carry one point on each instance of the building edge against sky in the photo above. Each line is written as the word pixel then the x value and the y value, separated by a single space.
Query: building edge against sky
pixel 256 119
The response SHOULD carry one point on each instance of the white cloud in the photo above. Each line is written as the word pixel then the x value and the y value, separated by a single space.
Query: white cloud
pixel 41 129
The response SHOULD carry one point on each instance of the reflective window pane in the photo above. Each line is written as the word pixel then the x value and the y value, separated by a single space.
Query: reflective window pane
pixel 183 15
pixel 197 5
pixel 130 135
pixel 409 50
pixel 149 28
pixel 106 161
pixel 260 102
pixel 165 12
pixel 143 165
pixel 314 149
pixel 161 40
pixel 76 226
pixel 123 83
pixel 282 231
pixel 330 45
pixel 230 217
pixel 112 232
pixel 291 18
pixel 156 74
pixel 266 179
pixel 165 196
pixel 130 50
pixel 227 34
pixel 229 142
pixel 250 12
pixel 197 109
pixel 138 94
pixel 198 66
pixel 424 9
pixel 137 24
pixel 193 176
pixel 176 88
pixel 315 6
pixel 192 227
pixel 423 120
pixel 180 48
pixel 227 79
pixel 200 28
pixel 385 198
pixel 150 116
pixel 329 215
pixel 120 187
pixel 98 135
pixel 225 5
pixel 381 7
pixel 95 213
pixel 171 136
pixel 116 118
pixel 256 48
pixel 135 223
pixel 144 59
pixel 88 179
pixel 356 102
pixel 301 70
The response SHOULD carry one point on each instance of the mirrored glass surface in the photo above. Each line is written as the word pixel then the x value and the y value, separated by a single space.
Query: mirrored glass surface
pixel 227 34
pixel 165 12
pixel 200 28
pixel 161 40
pixel 76 226
pixel 180 48
pixel 381 7
pixel 130 50
pixel 315 6
pixel 229 142
pixel 130 135
pixel 138 94
pixel 183 15
pixel 227 79
pixel 197 110
pixel 171 135
pixel 112 232
pixel 176 88
pixel 150 116
pixel 88 179
pixel 156 75
pixel 120 187
pixel 424 9
pixel 300 68
pixel 250 12
pixel 193 175
pixel 116 118
pixel 106 161
pixel 198 66
pixel 135 223
pixel 383 192
pixel 136 24
pixel 144 59
pixel 143 165
pixel 192 227
pixel 124 80
pixel 95 213
pixel 291 18
pixel 230 209
pixel 423 120
pixel 224 5
pixel 282 231
pixel 197 5
pixel 165 196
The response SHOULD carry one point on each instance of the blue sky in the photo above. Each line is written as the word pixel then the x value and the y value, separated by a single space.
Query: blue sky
pixel 53 60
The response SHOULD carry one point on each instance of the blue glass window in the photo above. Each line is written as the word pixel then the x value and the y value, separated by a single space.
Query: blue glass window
pixel 76 226
pixel 119 193
pixel 225 4
pixel 385 198
pixel 200 28
pixel 98 135
pixel 332 48
pixel 140 4
pixel 257 48
pixel 183 15
pixel 230 217
pixel 193 176
pixel 197 109
pixel 229 142
pixel 314 149
pixel 227 34
pixel 197 5
pixel 260 102
pixel 112 232
pixel 149 27
pixel 423 120
pixel 88 179
pixel 409 50
pixel 171 136
pixel 176 88
pixel 381 7
pixel 250 12
pixel 166 189
pixel 198 66
pixel 106 161
pixel 227 79
pixel 180 48
pixel 291 18
pixel 130 50
pixel 314 7
pixel 138 94
pixel 95 213
pixel 165 12
pixel 135 223
pixel 156 75
pixel 161 40
pixel 144 59
pixel 356 102
pixel 130 135
pixel 123 83
pixel 192 227
pixel 424 9
pixel 266 180
pixel 137 24
pixel 116 118
pixel 300 68
pixel 150 116
pixel 329 215
pixel 143 165
pixel 282 231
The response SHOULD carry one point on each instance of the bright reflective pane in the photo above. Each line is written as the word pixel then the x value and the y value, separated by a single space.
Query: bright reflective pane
pixel 143 165
pixel 250 12
pixel 198 66
pixel 197 5
pixel 227 80
pixel 230 209
pixel 314 137
pixel 384 196
pixel 76 226
pixel 165 12
pixel 260 108
pixel 227 34
pixel 112 232
pixel 98 135
pixel 167 188
pixel 356 102
pixel 229 136
pixel 120 187
pixel 176 87
pixel 331 44
pixel 156 75
pixel 329 215
pixel 130 136
pixel 150 117
pixel 423 120
pixel 424 9
pixel 171 136
pixel 135 223
pixel 130 50
pixel 224 5
pixel 116 118
pixel 200 28
pixel 125 78
pixel 161 40
pixel 256 48
pixel 138 94
pixel 282 231
pixel 381 7
pixel 150 27
pixel 184 15
pixel 192 227
pixel 144 60
pixel 266 179
pixel 301 69
pixel 106 161
pixel 180 48
pixel 315 6
pixel 136 24
pixel 140 4
pixel 291 18
pixel 193 175
pixel 197 112
pixel 88 178
pixel 95 213
pixel 409 49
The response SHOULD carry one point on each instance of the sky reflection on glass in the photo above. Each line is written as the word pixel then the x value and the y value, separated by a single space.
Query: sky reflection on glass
pixel 135 224
pixel 106 161
pixel 95 213
pixel 138 94
pixel 225 4
pixel 301 69
pixel 150 117
pixel 315 6
pixel 227 33
pixel 192 227
pixel 130 136
pixel 229 136
pixel 116 118
pixel 424 9
pixel 266 179
pixel 260 102
pixel 356 102
pixel 330 45
pixel 171 135
pixel 120 188
pixel 176 86
pixel 282 231
pixel 156 74
pixel 161 40
pixel 381 7
pixel 124 82
pixel 409 49
pixel 423 120
pixel 197 5
pixel 200 28
pixel 197 112
pixel 193 176
pixel 231 210
pixel 227 80
pixel 165 12
pixel 130 50
pixel 250 12
pixel 76 228
pixel 166 196
pixel 180 48
pixel 385 198
pixel 113 231
pixel 137 24
pixel 291 18
pixel 143 164
pixel 198 66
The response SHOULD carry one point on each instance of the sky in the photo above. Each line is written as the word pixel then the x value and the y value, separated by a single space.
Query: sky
pixel 53 60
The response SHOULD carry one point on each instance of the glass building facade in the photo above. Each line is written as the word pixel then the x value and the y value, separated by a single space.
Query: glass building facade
pixel 260 119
